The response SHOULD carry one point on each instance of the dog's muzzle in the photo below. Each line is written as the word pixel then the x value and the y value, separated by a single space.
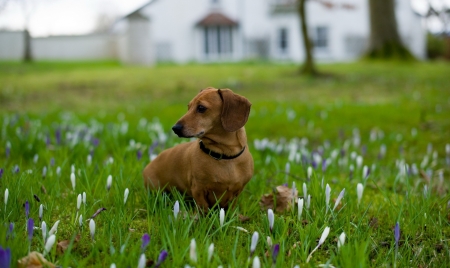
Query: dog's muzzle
pixel 178 129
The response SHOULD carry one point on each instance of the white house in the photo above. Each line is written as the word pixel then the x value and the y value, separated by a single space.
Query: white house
pixel 225 30
pixel 232 30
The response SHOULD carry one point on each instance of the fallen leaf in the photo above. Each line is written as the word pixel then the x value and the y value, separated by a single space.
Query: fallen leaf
pixel 284 199
pixel 43 190
pixel 425 176
pixel 243 218
pixel 62 246
pixel 34 260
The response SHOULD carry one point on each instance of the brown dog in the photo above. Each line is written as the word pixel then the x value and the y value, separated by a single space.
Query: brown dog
pixel 218 165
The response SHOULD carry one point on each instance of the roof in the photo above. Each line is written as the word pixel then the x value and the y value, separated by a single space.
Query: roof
pixel 216 19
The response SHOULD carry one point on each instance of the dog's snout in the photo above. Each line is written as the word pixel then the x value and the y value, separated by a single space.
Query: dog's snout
pixel 178 129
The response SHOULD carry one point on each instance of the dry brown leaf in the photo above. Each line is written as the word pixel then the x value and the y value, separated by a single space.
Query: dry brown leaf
pixel 34 260
pixel 62 246
pixel 284 199
pixel 425 176
pixel 243 218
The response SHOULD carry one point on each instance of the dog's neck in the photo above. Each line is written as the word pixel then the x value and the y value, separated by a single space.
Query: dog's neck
pixel 229 144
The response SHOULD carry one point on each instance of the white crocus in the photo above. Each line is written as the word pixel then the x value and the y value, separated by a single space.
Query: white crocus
pixel 58 171
pixel 84 198
pixel 339 198
pixel 256 262
pixel 49 244
pixel 41 211
pixel 73 180
pixel 325 233
pixel 359 161
pixel 44 230
pixel 327 197
pixel 365 172
pixel 54 228
pixel 92 228
pixel 142 261
pixel 108 182
pixel 210 251
pixel 193 251
pixel 309 172
pixel 255 238
pixel 89 159
pixel 80 220
pixel 359 192
pixel 113 265
pixel 308 202
pixel 125 195
pixel 300 208
pixel 269 241
pixel 221 217
pixel 6 197
pixel 341 240
pixel 79 199
pixel 176 209
pixel 271 218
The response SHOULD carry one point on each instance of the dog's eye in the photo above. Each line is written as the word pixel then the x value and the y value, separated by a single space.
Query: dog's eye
pixel 201 109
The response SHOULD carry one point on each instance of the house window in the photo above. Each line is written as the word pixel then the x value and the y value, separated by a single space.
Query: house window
pixel 218 41
pixel 283 40
pixel 321 40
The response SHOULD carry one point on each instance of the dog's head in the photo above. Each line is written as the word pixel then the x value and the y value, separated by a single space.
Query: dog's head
pixel 213 111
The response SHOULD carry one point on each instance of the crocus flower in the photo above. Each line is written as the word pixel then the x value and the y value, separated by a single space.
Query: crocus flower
pixel 161 258
pixel 72 180
pixel 145 241
pixel 44 231
pixel 193 251
pixel 325 233
pixel 139 155
pixel 44 171
pixel 271 218
pixel 58 171
pixel 108 182
pixel 79 199
pixel 327 197
pixel 359 192
pixel 92 228
pixel 176 209
pixel 80 220
pixel 89 160
pixel 1 173
pixel 142 261
pixel 341 240
pixel 41 211
pixel 338 200
pixel 210 251
pixel 269 241
pixel 54 228
pixel 6 196
pixel 275 251
pixel 397 234
pixel 365 172
pixel 10 231
pixel 256 262
pixel 300 208
pixel 359 161
pixel 113 265
pixel 30 228
pixel 27 209
pixel 309 172
pixel 35 158
pixel 308 202
pixel 125 195
pixel 84 198
pixel 5 257
pixel 255 237
pixel 16 169
pixel 221 217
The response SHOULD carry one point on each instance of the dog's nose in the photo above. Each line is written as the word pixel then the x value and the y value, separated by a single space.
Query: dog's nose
pixel 178 129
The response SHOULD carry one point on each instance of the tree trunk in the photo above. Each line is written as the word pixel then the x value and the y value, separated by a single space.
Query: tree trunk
pixel 27 56
pixel 385 42
pixel 308 67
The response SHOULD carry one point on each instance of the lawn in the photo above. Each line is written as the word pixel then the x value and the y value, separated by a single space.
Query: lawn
pixel 66 127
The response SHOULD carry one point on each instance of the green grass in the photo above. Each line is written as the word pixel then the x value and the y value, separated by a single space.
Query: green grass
pixel 404 107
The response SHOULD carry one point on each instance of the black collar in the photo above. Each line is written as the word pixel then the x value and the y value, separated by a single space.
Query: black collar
pixel 218 156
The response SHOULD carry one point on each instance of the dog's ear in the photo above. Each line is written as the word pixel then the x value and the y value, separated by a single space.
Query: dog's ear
pixel 235 110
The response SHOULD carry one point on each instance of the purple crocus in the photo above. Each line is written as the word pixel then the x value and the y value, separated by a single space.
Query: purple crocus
pixel 145 241
pixel 5 257
pixel 9 233
pixel 324 165
pixel 95 142
pixel 7 151
pixel 1 173
pixel 58 136
pixel 162 257
pixel 139 154
pixel 52 161
pixel 16 169
pixel 397 234
pixel 30 228
pixel 275 251
pixel 27 209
